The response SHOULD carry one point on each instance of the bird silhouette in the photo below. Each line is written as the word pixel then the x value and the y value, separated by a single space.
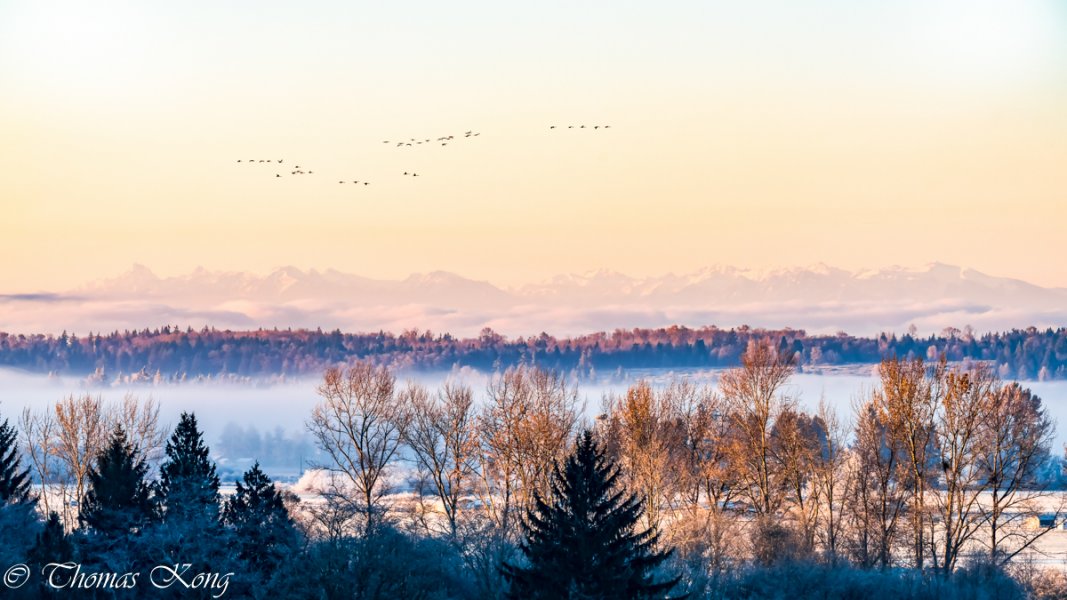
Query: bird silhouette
pixel 414 174
pixel 311 172
pixel 607 127
pixel 277 175
pixel 340 182
pixel 366 183
pixel 582 127
pixel 552 127
pixel 238 160
pixel 405 172
pixel 596 127
pixel 279 161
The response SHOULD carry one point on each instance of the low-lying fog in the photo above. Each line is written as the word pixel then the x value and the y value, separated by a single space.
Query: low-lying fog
pixel 247 422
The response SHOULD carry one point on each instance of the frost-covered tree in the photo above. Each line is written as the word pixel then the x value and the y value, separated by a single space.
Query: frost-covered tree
pixel 265 532
pixel 14 480
pixel 118 500
pixel 188 488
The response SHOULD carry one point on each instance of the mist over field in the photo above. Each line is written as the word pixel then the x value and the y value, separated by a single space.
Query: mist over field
pixel 260 420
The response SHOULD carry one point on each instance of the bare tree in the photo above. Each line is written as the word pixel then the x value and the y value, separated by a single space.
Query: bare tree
pixel 796 445
pixel 958 429
pixel 907 402
pixel 140 420
pixel 82 430
pixel 702 473
pixel 524 428
pixel 1018 438
pixel 443 439
pixel 38 433
pixel 829 476
pixel 646 443
pixel 754 396
pixel 877 497
pixel 359 424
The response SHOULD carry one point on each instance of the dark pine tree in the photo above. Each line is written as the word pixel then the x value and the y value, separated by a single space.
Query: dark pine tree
pixel 18 507
pixel 14 482
pixel 264 532
pixel 582 542
pixel 188 488
pixel 118 502
pixel 53 545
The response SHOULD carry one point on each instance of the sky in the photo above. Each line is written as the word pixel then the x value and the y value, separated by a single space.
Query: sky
pixel 757 134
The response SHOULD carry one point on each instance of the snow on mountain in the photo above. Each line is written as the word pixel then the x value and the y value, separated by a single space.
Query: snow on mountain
pixel 817 298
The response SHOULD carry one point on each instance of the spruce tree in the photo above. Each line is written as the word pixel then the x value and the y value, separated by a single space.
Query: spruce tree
pixel 18 507
pixel 264 531
pixel 188 489
pixel 582 542
pixel 52 544
pixel 118 500
pixel 14 483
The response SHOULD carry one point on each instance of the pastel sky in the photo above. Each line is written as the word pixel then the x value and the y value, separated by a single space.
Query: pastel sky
pixel 757 133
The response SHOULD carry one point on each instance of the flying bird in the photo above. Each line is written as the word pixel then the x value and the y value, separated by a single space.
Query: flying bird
pixel 277 175
pixel 366 183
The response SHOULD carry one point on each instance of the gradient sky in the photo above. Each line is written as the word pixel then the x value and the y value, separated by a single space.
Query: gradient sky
pixel 755 134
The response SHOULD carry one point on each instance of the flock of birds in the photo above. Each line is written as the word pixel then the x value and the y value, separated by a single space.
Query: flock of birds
pixel 582 127
pixel 443 140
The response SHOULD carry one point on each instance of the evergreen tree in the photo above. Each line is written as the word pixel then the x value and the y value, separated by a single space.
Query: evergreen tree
pixel 14 483
pixel 188 489
pixel 18 507
pixel 52 545
pixel 582 542
pixel 118 501
pixel 264 531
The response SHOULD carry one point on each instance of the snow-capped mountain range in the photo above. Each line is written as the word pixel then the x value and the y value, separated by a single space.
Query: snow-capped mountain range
pixel 817 298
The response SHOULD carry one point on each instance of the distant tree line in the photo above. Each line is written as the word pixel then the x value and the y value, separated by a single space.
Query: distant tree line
pixel 170 353
pixel 935 486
